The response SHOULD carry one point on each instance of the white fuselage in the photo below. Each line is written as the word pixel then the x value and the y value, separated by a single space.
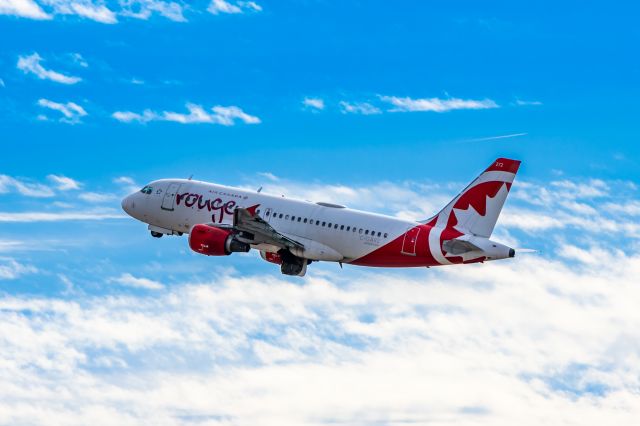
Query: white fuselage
pixel 176 205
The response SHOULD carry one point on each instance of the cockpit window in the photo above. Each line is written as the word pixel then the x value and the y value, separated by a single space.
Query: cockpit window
pixel 146 190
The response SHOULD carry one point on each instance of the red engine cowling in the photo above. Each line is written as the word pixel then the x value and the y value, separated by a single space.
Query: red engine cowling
pixel 209 240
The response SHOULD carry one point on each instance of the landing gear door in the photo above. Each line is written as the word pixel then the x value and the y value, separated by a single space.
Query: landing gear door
pixel 169 199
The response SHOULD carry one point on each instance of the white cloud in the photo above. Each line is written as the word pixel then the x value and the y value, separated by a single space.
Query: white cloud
pixel 631 208
pixel 225 116
pixel 269 176
pixel 8 183
pixel 315 103
pixel 71 112
pixel 407 104
pixel 124 180
pixel 557 343
pixel 97 197
pixel 10 269
pixel 128 116
pixel 11 245
pixel 107 12
pixel 79 59
pixel 520 102
pixel 37 216
pixel 127 184
pixel 143 9
pixel 23 8
pixel 2 83
pixel 64 183
pixel 31 64
pixel 91 9
pixel 129 280
pixel 229 7
pixel 364 108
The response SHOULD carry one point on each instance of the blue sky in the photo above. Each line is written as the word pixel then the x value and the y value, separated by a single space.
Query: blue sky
pixel 386 106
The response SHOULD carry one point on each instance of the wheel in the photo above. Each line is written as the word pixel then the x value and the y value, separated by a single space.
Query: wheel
pixel 155 234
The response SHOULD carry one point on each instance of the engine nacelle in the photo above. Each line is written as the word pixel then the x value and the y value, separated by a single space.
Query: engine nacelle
pixel 212 241
pixel 271 257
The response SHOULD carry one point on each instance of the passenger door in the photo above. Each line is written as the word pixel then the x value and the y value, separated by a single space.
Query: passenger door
pixel 169 199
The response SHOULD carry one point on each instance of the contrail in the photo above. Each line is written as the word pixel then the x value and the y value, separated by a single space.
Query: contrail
pixel 491 138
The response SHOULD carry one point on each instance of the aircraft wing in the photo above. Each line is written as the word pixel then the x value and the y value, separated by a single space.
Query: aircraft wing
pixel 251 225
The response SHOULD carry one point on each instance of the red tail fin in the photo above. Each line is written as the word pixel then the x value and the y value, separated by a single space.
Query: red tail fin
pixel 476 209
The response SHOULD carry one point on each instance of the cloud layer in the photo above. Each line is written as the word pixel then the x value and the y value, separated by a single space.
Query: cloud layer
pixel 108 12
pixel 224 115
pixel 528 341
pixel 383 103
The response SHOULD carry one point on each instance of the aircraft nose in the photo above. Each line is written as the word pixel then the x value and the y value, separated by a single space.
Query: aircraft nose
pixel 128 205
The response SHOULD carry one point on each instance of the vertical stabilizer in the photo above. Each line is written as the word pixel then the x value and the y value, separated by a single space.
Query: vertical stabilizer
pixel 476 209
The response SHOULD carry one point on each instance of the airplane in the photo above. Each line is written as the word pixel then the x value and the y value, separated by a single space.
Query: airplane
pixel 221 220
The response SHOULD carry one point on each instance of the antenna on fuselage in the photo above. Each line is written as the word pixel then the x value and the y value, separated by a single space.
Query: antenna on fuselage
pixel 190 177
pixel 259 189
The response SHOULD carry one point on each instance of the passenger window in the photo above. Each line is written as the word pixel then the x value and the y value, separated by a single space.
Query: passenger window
pixel 286 217
pixel 348 228
pixel 385 235
pixel 324 223
pixel 366 232
pixel 342 227
pixel 378 234
pixel 354 229
pixel 299 219
pixel 317 222
pixel 335 226
pixel 360 231
pixel 257 211
pixel 280 216
pixel 305 220
pixel 268 213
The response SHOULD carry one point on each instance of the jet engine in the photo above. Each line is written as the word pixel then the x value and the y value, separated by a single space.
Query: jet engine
pixel 212 241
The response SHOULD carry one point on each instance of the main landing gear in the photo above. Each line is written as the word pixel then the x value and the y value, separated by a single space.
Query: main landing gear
pixel 155 234
pixel 292 265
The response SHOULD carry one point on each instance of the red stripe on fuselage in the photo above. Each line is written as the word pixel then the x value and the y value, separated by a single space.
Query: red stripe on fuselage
pixel 390 255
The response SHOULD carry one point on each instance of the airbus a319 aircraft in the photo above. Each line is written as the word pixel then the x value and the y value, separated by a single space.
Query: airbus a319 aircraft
pixel 221 220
